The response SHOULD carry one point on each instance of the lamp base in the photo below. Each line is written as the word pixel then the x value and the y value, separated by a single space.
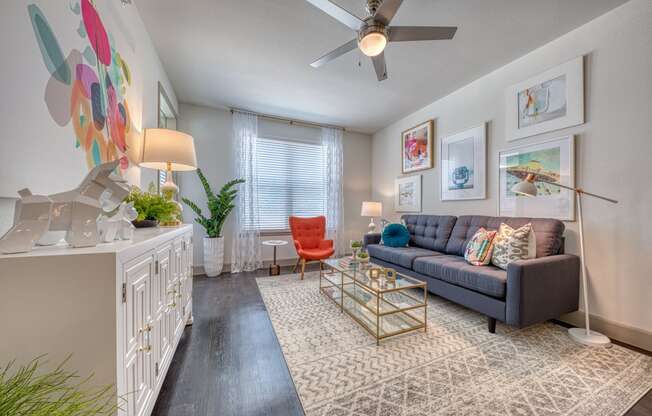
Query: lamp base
pixel 372 227
pixel 592 338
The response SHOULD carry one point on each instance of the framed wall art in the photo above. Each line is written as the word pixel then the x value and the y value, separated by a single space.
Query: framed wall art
pixel 417 147
pixel 407 194
pixel 550 101
pixel 551 162
pixel 464 165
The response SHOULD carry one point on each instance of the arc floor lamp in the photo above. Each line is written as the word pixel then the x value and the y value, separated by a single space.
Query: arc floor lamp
pixel 583 335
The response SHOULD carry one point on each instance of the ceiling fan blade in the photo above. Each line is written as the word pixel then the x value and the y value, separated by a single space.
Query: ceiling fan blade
pixel 347 47
pixel 387 10
pixel 411 33
pixel 380 66
pixel 338 13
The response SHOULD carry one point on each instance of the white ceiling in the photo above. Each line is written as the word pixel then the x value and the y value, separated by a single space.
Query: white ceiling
pixel 255 54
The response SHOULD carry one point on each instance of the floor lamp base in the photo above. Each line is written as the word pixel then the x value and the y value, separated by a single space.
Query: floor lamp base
pixel 592 338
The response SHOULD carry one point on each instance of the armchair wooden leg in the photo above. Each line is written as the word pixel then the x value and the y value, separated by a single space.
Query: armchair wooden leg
pixel 303 267
pixel 296 265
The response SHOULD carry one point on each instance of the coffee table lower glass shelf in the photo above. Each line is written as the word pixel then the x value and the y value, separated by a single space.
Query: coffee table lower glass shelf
pixel 382 306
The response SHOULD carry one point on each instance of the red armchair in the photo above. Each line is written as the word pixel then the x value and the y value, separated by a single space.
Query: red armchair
pixel 308 235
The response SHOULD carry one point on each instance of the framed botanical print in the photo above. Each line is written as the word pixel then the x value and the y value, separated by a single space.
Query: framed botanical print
pixel 417 147
pixel 550 101
pixel 407 194
pixel 550 162
pixel 464 165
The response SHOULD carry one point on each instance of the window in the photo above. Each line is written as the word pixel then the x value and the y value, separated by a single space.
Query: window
pixel 290 181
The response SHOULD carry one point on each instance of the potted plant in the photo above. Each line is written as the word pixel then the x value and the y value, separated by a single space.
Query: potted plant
pixel 220 206
pixel 152 208
pixel 355 246
pixel 36 389
pixel 363 257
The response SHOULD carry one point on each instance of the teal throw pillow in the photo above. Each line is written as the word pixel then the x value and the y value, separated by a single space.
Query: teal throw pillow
pixel 396 235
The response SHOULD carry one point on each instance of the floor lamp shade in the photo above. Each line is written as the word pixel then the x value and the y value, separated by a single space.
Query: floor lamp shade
pixel 170 150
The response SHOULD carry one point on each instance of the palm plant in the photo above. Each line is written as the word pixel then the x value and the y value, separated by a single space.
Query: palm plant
pixel 35 391
pixel 220 205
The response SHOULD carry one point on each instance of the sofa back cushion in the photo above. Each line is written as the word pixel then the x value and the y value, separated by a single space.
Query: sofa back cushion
pixel 430 231
pixel 548 232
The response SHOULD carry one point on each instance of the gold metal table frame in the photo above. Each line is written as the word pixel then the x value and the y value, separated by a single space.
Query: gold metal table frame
pixel 384 308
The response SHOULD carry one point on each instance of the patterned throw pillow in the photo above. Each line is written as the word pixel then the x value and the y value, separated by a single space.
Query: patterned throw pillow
pixel 511 245
pixel 478 251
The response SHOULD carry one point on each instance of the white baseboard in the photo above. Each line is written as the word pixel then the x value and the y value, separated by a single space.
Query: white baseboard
pixel 629 335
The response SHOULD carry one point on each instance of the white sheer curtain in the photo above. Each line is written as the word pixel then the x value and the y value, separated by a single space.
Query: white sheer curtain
pixel 331 140
pixel 246 254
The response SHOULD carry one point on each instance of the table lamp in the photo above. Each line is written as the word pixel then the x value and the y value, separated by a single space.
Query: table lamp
pixel 585 335
pixel 372 209
pixel 168 150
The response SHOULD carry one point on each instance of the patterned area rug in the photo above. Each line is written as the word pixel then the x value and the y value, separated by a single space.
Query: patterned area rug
pixel 456 368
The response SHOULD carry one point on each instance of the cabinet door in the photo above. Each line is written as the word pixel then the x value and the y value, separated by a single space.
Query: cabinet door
pixel 137 312
pixel 186 278
pixel 161 331
pixel 178 322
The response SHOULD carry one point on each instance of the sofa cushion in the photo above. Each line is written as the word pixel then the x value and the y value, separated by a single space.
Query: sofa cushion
pixel 548 232
pixel 429 231
pixel 403 256
pixel 396 235
pixel 488 280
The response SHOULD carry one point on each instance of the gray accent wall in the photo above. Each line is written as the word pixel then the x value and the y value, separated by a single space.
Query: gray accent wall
pixel 613 152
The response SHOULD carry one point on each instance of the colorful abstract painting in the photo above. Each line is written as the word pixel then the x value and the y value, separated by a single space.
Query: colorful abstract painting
pixel 87 88
pixel 417 147
pixel 544 163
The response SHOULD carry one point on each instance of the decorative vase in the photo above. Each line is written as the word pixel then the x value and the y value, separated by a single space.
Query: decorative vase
pixel 213 256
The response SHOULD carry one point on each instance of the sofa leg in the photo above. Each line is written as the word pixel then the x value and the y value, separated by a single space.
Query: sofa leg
pixel 491 324
pixel 296 265
pixel 303 267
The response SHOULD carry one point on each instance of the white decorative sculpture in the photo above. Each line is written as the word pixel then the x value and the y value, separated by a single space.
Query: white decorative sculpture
pixel 118 226
pixel 75 212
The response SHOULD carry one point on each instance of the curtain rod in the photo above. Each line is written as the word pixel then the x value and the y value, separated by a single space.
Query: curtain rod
pixel 290 121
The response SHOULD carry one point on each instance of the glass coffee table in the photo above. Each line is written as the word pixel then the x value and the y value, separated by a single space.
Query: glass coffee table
pixel 384 307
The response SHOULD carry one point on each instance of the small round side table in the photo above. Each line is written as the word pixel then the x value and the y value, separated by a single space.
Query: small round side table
pixel 274 269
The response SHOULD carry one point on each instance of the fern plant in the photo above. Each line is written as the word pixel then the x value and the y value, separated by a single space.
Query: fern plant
pixel 32 390
pixel 220 205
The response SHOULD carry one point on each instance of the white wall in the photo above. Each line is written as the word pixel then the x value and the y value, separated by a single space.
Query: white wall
pixel 211 129
pixel 35 151
pixel 614 152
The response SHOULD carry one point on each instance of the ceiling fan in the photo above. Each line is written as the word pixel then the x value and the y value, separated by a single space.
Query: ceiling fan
pixel 374 32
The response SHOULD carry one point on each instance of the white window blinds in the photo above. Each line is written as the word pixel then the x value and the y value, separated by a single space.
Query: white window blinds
pixel 290 181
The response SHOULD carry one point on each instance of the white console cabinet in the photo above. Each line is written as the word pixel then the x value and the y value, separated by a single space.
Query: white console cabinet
pixel 117 309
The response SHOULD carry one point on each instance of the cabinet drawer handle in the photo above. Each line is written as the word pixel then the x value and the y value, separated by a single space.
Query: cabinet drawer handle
pixel 172 292
pixel 172 305
pixel 147 348
pixel 146 328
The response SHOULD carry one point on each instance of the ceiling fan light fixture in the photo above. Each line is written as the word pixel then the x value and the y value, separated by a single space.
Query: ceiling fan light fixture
pixel 373 44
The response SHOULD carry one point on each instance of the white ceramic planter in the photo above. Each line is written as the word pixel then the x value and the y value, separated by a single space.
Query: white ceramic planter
pixel 213 256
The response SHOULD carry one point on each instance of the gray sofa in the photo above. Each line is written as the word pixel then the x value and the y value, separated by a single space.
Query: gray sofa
pixel 528 292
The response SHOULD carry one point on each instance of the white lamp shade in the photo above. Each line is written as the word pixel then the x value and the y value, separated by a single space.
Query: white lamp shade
pixel 372 209
pixel 525 188
pixel 163 146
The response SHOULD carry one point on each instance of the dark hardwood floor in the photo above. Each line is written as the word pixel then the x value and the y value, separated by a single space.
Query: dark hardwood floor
pixel 229 362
